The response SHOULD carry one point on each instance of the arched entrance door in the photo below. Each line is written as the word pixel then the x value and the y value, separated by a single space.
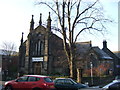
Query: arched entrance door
pixel 37 68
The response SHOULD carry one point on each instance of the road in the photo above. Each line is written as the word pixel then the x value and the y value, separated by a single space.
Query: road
pixel 92 89
pixel 79 89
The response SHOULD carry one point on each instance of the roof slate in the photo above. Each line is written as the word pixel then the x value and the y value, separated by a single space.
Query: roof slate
pixel 101 53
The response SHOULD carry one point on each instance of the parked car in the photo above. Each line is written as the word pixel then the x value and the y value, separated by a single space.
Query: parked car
pixel 115 85
pixel 30 82
pixel 68 84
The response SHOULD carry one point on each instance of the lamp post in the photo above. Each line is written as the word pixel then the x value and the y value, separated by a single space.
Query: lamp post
pixel 91 65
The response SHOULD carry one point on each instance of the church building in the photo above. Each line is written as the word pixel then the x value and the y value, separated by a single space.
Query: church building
pixel 42 52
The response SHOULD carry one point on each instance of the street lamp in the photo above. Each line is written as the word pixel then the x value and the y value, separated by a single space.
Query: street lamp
pixel 91 65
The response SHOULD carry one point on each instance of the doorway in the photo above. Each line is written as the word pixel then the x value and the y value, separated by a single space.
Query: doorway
pixel 37 68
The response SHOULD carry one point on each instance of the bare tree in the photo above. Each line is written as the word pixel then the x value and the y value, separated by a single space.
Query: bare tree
pixel 76 16
pixel 8 48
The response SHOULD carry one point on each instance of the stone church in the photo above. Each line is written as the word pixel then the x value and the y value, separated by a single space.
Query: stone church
pixel 42 51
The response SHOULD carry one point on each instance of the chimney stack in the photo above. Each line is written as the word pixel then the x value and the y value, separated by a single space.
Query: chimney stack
pixel 104 44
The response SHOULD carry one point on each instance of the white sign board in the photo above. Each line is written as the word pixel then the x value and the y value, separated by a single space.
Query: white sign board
pixel 37 59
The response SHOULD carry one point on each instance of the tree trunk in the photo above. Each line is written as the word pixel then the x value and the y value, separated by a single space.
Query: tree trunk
pixel 73 71
pixel 72 65
pixel 71 68
pixel 79 75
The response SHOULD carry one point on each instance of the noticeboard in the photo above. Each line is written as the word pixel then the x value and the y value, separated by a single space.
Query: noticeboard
pixel 37 59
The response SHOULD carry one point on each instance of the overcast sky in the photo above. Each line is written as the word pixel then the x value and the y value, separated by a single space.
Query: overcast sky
pixel 15 17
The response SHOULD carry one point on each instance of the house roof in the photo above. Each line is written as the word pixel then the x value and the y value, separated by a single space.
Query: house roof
pixel 110 53
pixel 1 52
pixel 4 52
pixel 101 53
pixel 117 53
pixel 83 49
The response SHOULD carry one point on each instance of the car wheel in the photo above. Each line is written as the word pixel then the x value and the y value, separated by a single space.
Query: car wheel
pixel 8 88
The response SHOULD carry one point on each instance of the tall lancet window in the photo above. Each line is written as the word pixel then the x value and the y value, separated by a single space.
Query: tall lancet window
pixel 39 47
pixel 42 48
pixel 36 47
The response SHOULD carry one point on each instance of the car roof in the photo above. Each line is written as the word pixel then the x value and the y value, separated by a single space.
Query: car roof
pixel 64 79
pixel 42 76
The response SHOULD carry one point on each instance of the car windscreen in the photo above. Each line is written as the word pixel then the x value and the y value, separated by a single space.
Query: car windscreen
pixel 73 81
pixel 48 80
pixel 117 77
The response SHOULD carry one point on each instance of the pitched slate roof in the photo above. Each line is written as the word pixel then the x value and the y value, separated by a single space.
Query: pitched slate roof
pixel 84 47
pixel 117 53
pixel 1 52
pixel 101 53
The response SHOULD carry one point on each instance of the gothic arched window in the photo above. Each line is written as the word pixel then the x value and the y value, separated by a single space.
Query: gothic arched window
pixel 39 47
pixel 42 48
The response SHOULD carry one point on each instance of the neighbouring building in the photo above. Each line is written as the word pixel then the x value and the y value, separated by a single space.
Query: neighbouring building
pixel 93 58
pixel 116 59
pixel 8 65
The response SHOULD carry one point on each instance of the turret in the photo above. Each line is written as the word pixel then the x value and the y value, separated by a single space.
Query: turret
pixel 22 39
pixel 32 23
pixel 40 21
pixel 49 22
